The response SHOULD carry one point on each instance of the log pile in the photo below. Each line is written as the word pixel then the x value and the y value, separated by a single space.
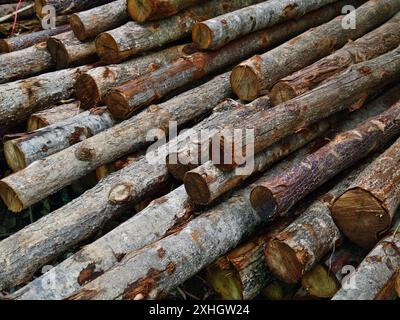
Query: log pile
pixel 261 152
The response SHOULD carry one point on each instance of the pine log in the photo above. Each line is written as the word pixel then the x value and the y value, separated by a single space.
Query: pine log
pixel 325 279
pixel 121 43
pixel 346 90
pixel 376 271
pixel 129 97
pixel 27 250
pixel 30 39
pixel 25 63
pixel 273 197
pixel 253 77
pixel 372 45
pixel 67 6
pixel 90 23
pixel 219 31
pixel 365 210
pixel 52 116
pixel 21 152
pixel 92 86
pixel 21 98
pixel 124 138
pixel 68 51
pixel 196 151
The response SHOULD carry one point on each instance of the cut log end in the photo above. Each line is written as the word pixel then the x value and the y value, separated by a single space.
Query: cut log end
pixel 35 123
pixel 177 170
pixel 197 188
pixel 262 200
pixel 225 282
pixel 244 83
pixel 39 4
pixel 87 91
pixel 281 93
pixel 14 157
pixel 202 35
pixel 140 10
pixel 361 217
pixel 319 282
pixel 107 49
pixel 118 104
pixel 283 262
pixel 78 27
pixel 4 47
pixel 10 198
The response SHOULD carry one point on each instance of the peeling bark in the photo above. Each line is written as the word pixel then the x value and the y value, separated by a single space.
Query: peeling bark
pixel 253 77
pixel 67 6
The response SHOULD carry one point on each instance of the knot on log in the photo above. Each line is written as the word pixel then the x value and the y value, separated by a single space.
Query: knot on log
pixel 120 193
pixel 85 153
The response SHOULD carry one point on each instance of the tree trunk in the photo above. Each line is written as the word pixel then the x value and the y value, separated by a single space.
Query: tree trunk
pixel 20 99
pixel 145 10
pixel 21 152
pixel 124 138
pixel 67 51
pixel 343 90
pixel 121 43
pixel 67 6
pixel 88 24
pixel 92 86
pixel 27 40
pixel 258 74
pixel 52 116
pixel 129 97
pixel 219 31
pixel 273 197
pixel 25 63
pixel 372 45
pixel 365 210
pixel 376 271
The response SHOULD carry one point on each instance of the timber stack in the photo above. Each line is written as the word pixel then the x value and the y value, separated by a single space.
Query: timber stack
pixel 252 144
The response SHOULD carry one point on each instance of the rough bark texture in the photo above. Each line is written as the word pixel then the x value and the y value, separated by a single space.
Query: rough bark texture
pixel 185 253
pixel 68 51
pixel 219 31
pixel 129 97
pixel 145 10
pixel 364 212
pixel 373 44
pixel 260 73
pixel 121 43
pixel 162 217
pixel 350 87
pixel 92 86
pixel 30 39
pixel 273 197
pixel 67 6
pixel 25 63
pixel 21 152
pixel 60 169
pixel 8 8
pixel 90 23
pixel 54 115
pixel 21 98
pixel 376 271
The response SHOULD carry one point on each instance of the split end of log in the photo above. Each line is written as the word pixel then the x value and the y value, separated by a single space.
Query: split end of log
pixel 10 198
pixel 283 261
pixel 197 188
pixel 202 35
pixel 87 91
pixel 361 217
pixel 245 83
pixel 319 282
pixel 108 50
pixel 14 156
pixel 141 10
pixel 282 92
pixel 78 27
pixel 118 104
pixel 263 201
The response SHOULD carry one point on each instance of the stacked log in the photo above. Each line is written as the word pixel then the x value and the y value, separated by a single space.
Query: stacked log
pixel 257 75
pixel 365 210
pixel 66 6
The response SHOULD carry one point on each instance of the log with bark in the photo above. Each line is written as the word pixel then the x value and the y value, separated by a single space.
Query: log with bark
pixel 219 31
pixel 21 98
pixel 7 10
pixel 67 6
pixel 26 40
pixel 253 77
pixel 92 86
pixel 54 115
pixel 90 23
pixel 127 98
pixel 373 44
pixel 365 210
pixel 68 51
pixel 25 63
pixel 375 276
pixel 21 152
pixel 274 197
pixel 121 43
pixel 346 90
pixel 124 138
